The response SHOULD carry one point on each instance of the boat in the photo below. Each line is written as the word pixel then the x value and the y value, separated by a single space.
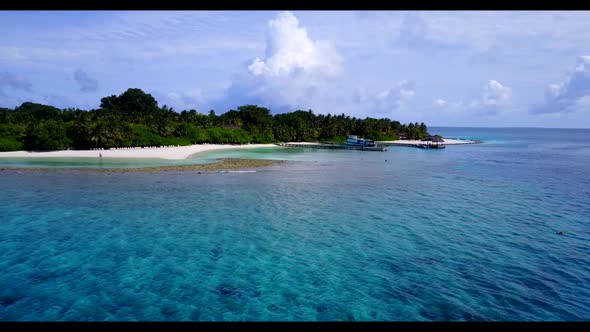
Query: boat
pixel 352 143
pixel 354 140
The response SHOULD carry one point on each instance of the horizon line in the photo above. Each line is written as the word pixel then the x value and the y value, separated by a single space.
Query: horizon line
pixel 508 127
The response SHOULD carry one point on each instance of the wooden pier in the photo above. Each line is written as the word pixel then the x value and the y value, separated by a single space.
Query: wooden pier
pixel 398 144
pixel 333 146
pixel 432 145
pixel 382 146
pixel 419 145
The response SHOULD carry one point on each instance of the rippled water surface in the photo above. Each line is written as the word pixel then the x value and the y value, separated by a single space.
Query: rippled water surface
pixel 464 233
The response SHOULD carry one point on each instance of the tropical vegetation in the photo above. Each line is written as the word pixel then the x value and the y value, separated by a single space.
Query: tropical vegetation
pixel 134 119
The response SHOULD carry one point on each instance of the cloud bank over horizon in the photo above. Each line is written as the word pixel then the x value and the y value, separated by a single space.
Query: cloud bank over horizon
pixel 570 95
pixel 442 68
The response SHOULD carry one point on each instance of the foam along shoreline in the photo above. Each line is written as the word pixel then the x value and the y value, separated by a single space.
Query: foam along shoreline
pixel 446 141
pixel 227 165
pixel 169 153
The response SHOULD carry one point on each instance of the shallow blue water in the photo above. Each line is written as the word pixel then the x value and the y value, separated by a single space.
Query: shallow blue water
pixel 464 233
pixel 100 163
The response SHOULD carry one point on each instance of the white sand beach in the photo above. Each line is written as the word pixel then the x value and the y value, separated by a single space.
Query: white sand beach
pixel 173 153
pixel 178 152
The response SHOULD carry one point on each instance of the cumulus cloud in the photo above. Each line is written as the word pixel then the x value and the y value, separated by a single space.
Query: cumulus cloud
pixel 290 49
pixel 15 82
pixel 494 97
pixel 496 94
pixel 453 106
pixel 295 70
pixel 570 95
pixel 387 101
pixel 86 83
pixel 439 103
pixel 184 100
pixel 393 98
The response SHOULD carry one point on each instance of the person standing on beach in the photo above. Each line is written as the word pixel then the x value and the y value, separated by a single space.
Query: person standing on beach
pixel 100 155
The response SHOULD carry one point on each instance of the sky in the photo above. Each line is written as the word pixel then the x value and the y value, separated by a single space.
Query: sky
pixel 470 68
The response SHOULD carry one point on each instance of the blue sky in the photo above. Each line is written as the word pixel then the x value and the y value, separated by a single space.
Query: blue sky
pixel 520 69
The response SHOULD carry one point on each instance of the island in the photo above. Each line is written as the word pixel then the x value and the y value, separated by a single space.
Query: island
pixel 133 125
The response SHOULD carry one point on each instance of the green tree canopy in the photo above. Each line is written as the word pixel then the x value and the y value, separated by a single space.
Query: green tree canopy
pixel 133 118
pixel 132 102
pixel 46 135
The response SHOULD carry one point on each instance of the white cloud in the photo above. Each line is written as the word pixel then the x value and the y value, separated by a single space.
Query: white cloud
pixel 583 64
pixel 496 94
pixel 289 48
pixel 494 98
pixel 439 103
pixel 393 98
pixel 570 95
pixel 184 100
pixel 386 102
pixel 296 72
pixel 314 60
pixel 583 103
pixel 453 106
pixel 101 44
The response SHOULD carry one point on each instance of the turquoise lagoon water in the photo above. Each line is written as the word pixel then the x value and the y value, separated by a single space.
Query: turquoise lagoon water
pixel 464 233
pixel 97 163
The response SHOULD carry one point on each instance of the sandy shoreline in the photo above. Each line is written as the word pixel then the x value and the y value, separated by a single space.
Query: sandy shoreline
pixel 170 153
pixel 176 153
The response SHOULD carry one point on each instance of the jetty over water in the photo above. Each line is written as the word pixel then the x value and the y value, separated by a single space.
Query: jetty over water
pixel 435 145
pixel 381 145
pixel 332 146
pixel 417 145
